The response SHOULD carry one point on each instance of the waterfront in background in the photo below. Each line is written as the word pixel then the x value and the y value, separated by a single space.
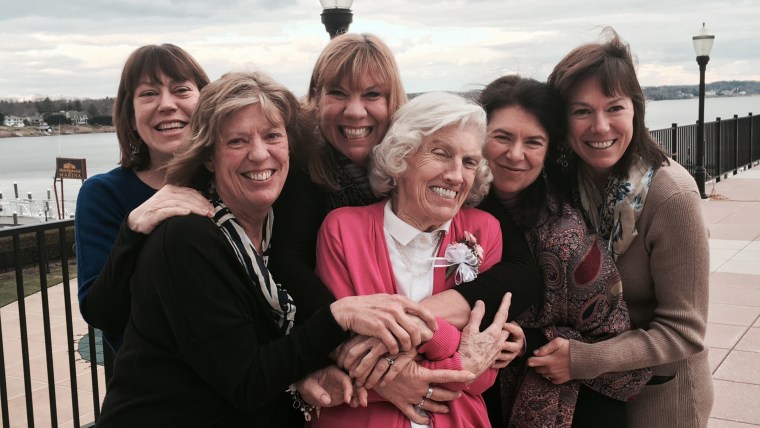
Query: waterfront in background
pixel 30 161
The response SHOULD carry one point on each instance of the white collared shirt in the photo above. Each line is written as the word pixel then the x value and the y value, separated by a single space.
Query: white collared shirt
pixel 416 282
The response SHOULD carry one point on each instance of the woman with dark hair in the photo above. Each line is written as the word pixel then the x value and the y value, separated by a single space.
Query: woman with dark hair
pixel 582 299
pixel 157 93
pixel 629 191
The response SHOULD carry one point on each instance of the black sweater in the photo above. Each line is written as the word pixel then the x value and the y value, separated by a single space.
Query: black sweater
pixel 201 347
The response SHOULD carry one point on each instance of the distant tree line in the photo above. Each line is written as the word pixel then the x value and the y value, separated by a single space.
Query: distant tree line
pixel 98 110
pixel 722 88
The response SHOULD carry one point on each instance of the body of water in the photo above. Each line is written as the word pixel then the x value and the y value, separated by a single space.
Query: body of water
pixel 30 161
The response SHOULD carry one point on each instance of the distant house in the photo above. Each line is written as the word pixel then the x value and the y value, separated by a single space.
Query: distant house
pixel 14 121
pixel 36 120
pixel 77 117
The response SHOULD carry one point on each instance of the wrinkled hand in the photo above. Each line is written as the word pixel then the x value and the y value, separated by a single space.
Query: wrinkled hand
pixel 411 385
pixel 169 201
pixel 552 361
pixel 327 387
pixel 480 350
pixel 391 318
pixel 365 360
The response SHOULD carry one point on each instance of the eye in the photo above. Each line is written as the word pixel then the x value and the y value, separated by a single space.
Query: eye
pixel 581 112
pixel 470 163
pixel 439 152
pixel 616 109
pixel 336 93
pixel 275 137
pixel 147 93
pixel 501 138
pixel 236 142
pixel 373 95
pixel 183 90
pixel 535 142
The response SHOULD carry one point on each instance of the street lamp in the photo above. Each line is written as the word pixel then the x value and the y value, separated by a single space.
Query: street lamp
pixel 336 15
pixel 703 43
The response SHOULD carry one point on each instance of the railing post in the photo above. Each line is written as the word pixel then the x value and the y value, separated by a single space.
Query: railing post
pixel 673 137
pixel 736 144
pixel 750 140
pixel 720 149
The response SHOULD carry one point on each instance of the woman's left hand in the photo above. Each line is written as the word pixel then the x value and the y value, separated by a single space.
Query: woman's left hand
pixel 552 361
pixel 327 387
pixel 479 350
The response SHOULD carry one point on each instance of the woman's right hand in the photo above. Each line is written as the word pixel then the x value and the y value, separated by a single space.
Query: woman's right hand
pixel 479 350
pixel 169 201
pixel 410 389
pixel 391 318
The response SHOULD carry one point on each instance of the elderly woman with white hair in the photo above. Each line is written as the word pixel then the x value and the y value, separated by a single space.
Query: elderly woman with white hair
pixel 417 242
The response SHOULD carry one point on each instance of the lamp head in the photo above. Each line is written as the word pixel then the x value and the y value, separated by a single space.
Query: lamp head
pixel 703 42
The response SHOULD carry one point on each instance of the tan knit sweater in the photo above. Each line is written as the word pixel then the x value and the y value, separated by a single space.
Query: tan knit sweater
pixel 665 276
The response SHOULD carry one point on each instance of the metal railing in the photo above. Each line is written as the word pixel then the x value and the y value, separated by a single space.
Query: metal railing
pixel 63 390
pixel 730 145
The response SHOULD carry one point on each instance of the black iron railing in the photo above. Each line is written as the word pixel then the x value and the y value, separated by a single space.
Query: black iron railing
pixel 65 376
pixel 730 145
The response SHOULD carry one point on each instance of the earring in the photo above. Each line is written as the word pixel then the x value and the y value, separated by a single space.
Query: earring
pixel 546 179
pixel 136 147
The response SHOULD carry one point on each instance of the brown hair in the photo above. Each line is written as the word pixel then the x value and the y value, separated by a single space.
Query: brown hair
pixel 148 62
pixel 612 63
pixel 232 92
pixel 349 56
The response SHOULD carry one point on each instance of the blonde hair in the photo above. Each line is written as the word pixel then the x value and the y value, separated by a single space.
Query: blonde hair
pixel 217 101
pixel 352 56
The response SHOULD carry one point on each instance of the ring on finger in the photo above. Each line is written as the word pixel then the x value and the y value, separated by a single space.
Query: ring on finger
pixel 419 406
pixel 429 392
pixel 390 360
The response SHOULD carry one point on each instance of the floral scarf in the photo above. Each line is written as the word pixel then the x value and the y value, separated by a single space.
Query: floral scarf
pixel 283 307
pixel 614 217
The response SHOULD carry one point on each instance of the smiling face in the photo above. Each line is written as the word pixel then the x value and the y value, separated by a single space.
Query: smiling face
pixel 162 113
pixel 439 177
pixel 516 149
pixel 249 162
pixel 600 128
pixel 354 118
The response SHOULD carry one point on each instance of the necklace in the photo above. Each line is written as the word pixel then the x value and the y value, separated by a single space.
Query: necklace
pixel 415 265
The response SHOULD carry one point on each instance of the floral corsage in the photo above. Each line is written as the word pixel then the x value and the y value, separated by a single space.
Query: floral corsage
pixel 462 259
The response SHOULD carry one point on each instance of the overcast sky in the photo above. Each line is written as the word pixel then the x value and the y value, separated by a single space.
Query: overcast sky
pixel 76 49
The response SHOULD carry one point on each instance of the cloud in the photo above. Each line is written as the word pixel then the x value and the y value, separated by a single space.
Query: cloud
pixel 77 49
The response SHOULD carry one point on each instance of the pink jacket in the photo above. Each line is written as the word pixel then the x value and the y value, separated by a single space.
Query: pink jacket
pixel 352 259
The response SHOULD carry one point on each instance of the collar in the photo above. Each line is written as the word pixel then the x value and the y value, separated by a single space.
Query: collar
pixel 404 233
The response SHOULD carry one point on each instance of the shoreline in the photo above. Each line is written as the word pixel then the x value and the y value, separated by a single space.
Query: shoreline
pixel 28 131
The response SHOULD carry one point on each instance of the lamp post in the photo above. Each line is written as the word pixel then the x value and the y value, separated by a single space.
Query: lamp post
pixel 337 16
pixel 703 43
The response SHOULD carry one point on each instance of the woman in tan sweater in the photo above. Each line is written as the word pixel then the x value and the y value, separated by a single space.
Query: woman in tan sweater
pixel 647 208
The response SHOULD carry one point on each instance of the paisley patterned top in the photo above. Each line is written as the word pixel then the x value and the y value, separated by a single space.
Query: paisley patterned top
pixel 583 301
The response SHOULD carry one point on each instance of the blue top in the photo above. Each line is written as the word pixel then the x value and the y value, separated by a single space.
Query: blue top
pixel 103 204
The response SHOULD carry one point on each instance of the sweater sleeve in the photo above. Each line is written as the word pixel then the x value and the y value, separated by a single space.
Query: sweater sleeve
pixel 299 211
pixel 221 323
pixel 517 272
pixel 677 246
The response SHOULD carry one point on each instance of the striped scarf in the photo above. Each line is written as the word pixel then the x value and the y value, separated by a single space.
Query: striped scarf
pixel 283 307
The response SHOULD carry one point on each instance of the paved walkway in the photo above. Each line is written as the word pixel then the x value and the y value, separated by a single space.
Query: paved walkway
pixel 733 334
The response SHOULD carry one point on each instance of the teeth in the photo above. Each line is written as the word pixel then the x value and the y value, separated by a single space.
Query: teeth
pixel 259 176
pixel 355 133
pixel 446 193
pixel 170 125
pixel 600 145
